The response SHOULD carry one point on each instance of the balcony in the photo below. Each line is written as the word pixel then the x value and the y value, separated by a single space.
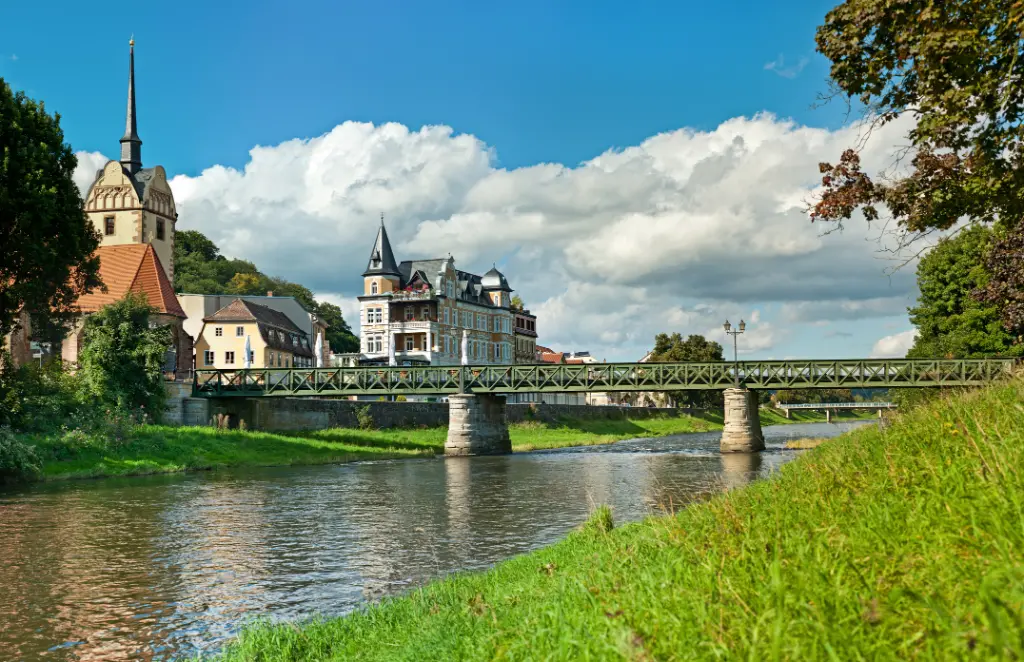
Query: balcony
pixel 403 295
pixel 414 325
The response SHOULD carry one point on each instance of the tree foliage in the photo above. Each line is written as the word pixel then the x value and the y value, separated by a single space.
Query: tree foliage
pixel 122 355
pixel 199 268
pixel 47 242
pixel 517 303
pixel 955 66
pixel 951 322
pixel 696 348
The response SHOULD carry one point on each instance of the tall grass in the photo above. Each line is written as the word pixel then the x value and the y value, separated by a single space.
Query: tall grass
pixel 895 544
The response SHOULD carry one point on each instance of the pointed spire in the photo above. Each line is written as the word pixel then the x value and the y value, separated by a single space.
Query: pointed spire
pixel 131 145
pixel 382 259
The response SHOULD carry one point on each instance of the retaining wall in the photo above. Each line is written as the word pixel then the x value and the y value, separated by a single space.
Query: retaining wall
pixel 280 414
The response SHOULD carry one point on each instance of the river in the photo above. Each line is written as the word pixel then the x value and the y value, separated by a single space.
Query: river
pixel 160 567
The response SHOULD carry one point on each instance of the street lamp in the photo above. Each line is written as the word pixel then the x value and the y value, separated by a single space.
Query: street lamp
pixel 735 351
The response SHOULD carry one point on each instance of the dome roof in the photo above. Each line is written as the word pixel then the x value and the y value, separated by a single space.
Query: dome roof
pixel 495 280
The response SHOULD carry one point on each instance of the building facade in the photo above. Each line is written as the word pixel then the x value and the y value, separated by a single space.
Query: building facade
pixel 418 312
pixel 200 306
pixel 274 340
pixel 129 204
pixel 524 328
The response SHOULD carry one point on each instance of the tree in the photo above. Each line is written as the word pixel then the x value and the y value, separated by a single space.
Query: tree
pixel 517 303
pixel 954 66
pixel 48 243
pixel 951 322
pixel 339 335
pixel 696 348
pixel 122 355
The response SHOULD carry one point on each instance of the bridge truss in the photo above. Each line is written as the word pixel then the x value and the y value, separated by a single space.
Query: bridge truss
pixel 441 380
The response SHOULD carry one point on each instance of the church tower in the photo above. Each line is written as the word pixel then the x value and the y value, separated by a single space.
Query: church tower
pixel 129 204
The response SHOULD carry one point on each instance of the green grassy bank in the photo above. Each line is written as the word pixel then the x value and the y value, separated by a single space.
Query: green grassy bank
pixel 904 543
pixel 152 449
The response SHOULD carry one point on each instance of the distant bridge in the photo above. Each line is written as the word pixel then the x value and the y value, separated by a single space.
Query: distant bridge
pixel 840 405
pixel 491 379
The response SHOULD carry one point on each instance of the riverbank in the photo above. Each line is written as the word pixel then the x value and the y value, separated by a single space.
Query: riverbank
pixel 883 544
pixel 153 449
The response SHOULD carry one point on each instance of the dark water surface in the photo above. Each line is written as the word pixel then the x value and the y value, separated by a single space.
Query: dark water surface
pixel 157 568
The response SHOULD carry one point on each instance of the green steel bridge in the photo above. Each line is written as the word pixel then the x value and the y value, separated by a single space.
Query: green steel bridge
pixel 491 379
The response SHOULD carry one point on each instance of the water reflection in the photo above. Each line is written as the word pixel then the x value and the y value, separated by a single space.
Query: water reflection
pixel 161 567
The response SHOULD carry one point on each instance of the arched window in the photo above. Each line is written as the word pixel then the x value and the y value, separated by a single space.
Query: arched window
pixel 373 287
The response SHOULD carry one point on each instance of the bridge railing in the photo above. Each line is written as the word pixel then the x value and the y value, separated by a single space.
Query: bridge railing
pixel 391 380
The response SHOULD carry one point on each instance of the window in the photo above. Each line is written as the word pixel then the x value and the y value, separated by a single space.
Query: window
pixel 497 349
pixel 208 357
pixel 451 290
pixel 373 287
pixel 408 313
pixel 252 356
pixel 379 344
pixel 374 315
pixel 108 225
pixel 270 363
pixel 160 229
pixel 279 360
pixel 287 362
pixel 229 358
pixel 408 343
pixel 239 331
pixel 425 311
pixel 445 315
pixel 218 331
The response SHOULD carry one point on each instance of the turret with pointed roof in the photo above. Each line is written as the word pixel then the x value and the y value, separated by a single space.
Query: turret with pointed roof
pixel 382 258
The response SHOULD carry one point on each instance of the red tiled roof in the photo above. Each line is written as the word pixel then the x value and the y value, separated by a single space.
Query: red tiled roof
pixel 132 268
pixel 552 357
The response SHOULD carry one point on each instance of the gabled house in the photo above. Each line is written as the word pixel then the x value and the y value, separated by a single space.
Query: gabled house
pixel 274 340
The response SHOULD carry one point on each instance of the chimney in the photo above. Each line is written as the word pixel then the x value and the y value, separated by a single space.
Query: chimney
pixel 270 293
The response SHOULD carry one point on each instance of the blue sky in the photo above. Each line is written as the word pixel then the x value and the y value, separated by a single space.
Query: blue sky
pixel 530 83
pixel 540 81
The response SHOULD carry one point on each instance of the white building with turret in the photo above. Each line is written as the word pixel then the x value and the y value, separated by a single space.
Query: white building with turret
pixel 416 312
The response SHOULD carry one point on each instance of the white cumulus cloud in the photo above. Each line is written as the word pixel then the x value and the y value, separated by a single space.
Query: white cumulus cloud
pixel 674 234
pixel 895 346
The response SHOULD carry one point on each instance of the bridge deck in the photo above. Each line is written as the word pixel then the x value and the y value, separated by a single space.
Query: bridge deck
pixel 439 380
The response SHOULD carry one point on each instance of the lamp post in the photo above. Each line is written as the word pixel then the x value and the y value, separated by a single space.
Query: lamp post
pixel 735 350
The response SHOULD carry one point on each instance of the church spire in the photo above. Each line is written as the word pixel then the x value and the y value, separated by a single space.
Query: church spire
pixel 382 259
pixel 131 145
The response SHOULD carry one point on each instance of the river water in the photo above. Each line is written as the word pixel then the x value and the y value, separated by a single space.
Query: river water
pixel 160 567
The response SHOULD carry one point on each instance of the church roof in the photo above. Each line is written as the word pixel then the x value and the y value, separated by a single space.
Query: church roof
pixel 382 259
pixel 132 268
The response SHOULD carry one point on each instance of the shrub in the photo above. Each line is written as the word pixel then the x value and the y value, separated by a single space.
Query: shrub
pixel 364 418
pixel 18 461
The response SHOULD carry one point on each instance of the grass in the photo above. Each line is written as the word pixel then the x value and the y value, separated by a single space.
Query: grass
pixel 155 449
pixel 903 543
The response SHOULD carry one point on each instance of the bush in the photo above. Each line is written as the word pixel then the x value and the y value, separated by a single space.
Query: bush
pixel 18 461
pixel 364 418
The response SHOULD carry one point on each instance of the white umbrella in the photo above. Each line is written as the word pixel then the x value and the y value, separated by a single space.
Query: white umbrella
pixel 391 351
pixel 465 347
pixel 248 353
pixel 318 349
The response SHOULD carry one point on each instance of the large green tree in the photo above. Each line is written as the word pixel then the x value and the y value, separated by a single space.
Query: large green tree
pixel 122 356
pixel 955 66
pixel 695 348
pixel 46 242
pixel 199 268
pixel 950 321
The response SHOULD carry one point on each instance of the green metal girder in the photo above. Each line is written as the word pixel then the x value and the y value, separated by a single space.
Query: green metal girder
pixel 440 380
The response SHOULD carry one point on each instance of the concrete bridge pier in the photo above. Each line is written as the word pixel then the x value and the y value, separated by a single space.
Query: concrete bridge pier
pixel 742 432
pixel 828 415
pixel 477 425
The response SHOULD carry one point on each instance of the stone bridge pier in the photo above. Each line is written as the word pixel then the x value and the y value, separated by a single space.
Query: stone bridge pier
pixel 477 425
pixel 742 430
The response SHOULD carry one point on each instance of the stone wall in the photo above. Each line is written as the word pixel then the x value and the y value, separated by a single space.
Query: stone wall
pixel 280 414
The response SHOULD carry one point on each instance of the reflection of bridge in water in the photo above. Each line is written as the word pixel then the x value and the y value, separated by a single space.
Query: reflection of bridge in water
pixel 477 409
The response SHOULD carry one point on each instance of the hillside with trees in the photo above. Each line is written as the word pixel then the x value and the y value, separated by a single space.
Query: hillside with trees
pixel 199 268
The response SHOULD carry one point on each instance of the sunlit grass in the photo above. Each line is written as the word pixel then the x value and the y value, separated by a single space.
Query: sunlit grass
pixel 894 544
